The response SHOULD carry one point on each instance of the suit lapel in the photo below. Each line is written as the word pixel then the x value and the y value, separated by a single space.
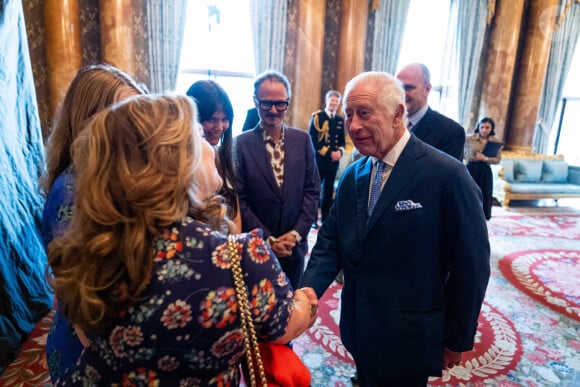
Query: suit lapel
pixel 421 128
pixel 402 173
pixel 290 143
pixel 260 156
pixel 362 182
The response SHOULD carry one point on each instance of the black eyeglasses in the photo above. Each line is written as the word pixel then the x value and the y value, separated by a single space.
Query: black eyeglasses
pixel 265 105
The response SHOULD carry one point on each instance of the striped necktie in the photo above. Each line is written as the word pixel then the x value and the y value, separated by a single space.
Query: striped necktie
pixel 376 185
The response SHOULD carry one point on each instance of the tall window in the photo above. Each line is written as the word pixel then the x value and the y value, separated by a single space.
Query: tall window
pixel 565 134
pixel 425 42
pixel 217 45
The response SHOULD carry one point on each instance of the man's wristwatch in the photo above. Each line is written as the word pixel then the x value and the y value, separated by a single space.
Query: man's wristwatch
pixel 296 235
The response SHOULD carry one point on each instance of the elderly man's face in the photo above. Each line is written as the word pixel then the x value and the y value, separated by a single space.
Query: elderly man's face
pixel 373 130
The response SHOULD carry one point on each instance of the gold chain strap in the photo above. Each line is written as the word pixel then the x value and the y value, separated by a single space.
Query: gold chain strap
pixel 250 338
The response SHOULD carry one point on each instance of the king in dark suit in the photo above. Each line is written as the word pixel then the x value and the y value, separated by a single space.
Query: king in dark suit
pixel 326 130
pixel 278 184
pixel 416 268
pixel 427 124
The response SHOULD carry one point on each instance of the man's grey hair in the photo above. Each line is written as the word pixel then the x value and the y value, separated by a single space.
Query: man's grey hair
pixel 272 75
pixel 389 90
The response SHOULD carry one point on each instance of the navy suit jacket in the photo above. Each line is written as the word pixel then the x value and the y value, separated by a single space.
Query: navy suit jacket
pixel 252 119
pixel 414 279
pixel 262 203
pixel 324 145
pixel 441 132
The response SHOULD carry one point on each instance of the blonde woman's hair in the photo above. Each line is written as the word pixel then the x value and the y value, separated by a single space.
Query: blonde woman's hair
pixel 93 88
pixel 138 166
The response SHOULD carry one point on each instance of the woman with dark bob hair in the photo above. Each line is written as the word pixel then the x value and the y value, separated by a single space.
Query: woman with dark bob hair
pixel 478 163
pixel 216 114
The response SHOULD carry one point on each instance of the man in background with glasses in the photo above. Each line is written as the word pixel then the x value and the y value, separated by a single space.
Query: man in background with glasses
pixel 278 182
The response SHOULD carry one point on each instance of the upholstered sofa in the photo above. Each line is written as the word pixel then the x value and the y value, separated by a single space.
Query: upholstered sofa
pixel 530 176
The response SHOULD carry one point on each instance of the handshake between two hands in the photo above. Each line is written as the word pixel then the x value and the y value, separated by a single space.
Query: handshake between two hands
pixel 308 295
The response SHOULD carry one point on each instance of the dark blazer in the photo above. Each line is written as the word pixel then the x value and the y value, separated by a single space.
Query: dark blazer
pixel 327 136
pixel 262 203
pixel 414 279
pixel 441 132
pixel 252 119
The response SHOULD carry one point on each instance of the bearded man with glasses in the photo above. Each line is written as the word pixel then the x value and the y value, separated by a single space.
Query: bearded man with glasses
pixel 278 182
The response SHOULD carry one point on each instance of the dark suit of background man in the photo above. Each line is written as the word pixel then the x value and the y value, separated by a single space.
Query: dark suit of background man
pixel 252 119
pixel 278 184
pixel 427 124
pixel 326 130
pixel 415 269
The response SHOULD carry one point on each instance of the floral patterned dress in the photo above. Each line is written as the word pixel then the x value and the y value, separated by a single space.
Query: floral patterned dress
pixel 186 329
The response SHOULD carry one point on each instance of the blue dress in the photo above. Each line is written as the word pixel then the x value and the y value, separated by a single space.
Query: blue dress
pixel 185 329
pixel 63 347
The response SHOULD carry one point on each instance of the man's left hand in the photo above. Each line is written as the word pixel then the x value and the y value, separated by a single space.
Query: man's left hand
pixel 450 358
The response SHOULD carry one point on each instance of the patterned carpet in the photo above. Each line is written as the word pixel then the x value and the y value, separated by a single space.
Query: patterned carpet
pixel 550 276
pixel 529 331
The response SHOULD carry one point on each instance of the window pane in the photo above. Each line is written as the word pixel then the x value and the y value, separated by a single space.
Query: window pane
pixel 425 36
pixel 424 41
pixel 217 45
pixel 218 36
pixel 569 133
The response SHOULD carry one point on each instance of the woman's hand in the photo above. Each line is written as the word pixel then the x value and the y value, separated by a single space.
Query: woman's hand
pixel 480 157
pixel 302 317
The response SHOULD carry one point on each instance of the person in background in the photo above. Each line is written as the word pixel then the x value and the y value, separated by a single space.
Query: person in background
pixel 427 124
pixel 278 184
pixel 326 130
pixel 408 230
pixel 478 163
pixel 143 270
pixel 92 89
pixel 252 119
pixel 216 116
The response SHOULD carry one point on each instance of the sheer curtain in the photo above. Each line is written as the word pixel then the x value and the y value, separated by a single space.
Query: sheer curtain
pixel 269 31
pixel 561 53
pixel 471 19
pixel 165 24
pixel 390 20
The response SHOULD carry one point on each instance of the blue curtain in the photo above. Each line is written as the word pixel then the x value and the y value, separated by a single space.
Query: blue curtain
pixel 390 20
pixel 268 19
pixel 24 294
pixel 469 38
pixel 165 24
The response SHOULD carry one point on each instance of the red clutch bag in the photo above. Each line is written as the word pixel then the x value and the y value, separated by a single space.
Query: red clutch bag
pixel 283 367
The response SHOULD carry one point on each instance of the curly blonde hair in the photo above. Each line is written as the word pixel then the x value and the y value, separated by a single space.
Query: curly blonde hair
pixel 93 88
pixel 139 168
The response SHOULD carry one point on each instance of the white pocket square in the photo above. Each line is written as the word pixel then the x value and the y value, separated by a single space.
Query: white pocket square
pixel 404 205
